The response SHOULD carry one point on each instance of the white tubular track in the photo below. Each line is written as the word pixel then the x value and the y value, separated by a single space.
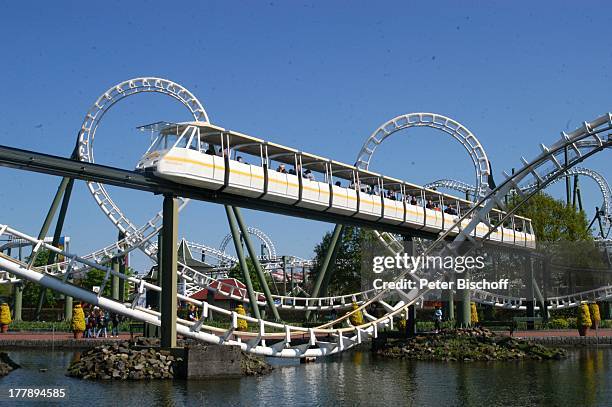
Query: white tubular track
pixel 196 280
pixel 559 302
pixel 434 121
pixel 337 339
pixel 272 339
pixel 86 148
pixel 265 239
pixel 455 185
pixel 141 237
pixel 340 339
pixel 582 142
pixel 591 132
pixel 604 187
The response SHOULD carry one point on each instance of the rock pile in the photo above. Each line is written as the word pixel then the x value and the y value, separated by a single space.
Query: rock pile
pixel 253 365
pixel 120 361
pixel 468 345
pixel 6 364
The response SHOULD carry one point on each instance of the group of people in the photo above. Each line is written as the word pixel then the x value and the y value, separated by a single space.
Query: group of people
pixel 97 322
pixel 450 209
pixel 368 189
pixel 306 174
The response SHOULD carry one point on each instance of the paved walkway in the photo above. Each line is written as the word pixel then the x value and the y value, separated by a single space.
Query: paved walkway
pixel 559 332
pixel 46 336
pixel 61 336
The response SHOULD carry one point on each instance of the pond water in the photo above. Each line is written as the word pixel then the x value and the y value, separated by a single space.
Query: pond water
pixel 356 378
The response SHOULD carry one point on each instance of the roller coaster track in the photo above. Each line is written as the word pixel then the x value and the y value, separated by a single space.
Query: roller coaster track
pixel 549 177
pixel 277 339
pixel 197 281
pixel 141 237
pixel 265 239
pixel 271 339
pixel 435 121
pixel 599 179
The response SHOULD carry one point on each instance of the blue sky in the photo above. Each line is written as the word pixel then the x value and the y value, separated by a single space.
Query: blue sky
pixel 317 76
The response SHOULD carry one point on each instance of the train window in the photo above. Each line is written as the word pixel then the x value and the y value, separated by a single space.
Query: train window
pixel 195 143
pixel 182 142
pixel 164 142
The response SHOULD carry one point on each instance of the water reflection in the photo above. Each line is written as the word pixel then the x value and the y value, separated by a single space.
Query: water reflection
pixel 358 378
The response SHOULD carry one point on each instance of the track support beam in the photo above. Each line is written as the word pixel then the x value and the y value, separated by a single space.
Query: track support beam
pixel 336 236
pixel 255 260
pixel 168 271
pixel 464 310
pixel 231 218
pixel 18 304
pixel 122 270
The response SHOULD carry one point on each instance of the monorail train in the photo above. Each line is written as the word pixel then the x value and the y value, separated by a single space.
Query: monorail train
pixel 208 156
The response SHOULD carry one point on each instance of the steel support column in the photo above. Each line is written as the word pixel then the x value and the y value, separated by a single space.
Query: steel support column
pixel 449 309
pixel 115 280
pixel 231 218
pixel 66 193
pixel 122 270
pixel 255 260
pixel 17 307
pixel 530 292
pixel 168 272
pixel 575 191
pixel 330 268
pixel 326 261
pixel 568 184
pixel 464 310
pixel 411 321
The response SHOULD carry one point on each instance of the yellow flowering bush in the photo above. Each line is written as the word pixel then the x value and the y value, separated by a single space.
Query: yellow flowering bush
pixel 401 323
pixel 78 319
pixel 357 317
pixel 5 314
pixel 473 313
pixel 584 316
pixel 594 310
pixel 242 323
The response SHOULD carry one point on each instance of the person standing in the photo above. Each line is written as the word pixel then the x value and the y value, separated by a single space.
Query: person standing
pixel 438 318
pixel 114 325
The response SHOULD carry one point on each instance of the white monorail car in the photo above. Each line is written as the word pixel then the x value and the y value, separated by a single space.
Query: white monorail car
pixel 208 156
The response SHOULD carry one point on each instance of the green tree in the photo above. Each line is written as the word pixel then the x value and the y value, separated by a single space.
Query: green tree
pixel 236 273
pixel 95 278
pixel 564 238
pixel 31 291
pixel 346 277
pixel 554 221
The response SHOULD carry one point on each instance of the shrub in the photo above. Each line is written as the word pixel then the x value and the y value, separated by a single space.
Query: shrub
pixel 357 317
pixel 558 323
pixel 401 323
pixel 243 325
pixel 584 316
pixel 594 310
pixel 5 314
pixel 78 319
pixel 606 323
pixel 473 314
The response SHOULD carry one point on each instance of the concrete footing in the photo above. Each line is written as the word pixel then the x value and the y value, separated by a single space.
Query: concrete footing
pixel 201 361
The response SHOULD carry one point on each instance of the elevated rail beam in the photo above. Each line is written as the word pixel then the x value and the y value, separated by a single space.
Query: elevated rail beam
pixel 64 167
